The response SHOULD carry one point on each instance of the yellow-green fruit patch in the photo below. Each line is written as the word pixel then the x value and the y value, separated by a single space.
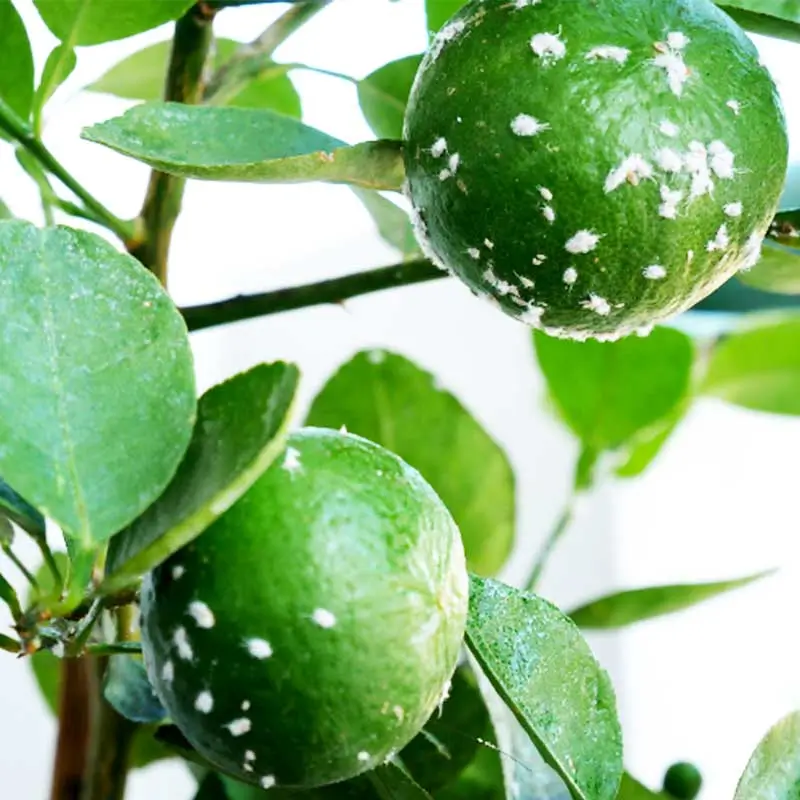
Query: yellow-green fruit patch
pixel 593 168
pixel 310 632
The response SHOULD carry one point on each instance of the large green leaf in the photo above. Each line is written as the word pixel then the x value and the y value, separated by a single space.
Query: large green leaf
pixel 241 427
pixel 141 77
pixel 19 510
pixel 16 73
pixel 128 691
pixel 773 771
pixel 392 222
pixel 98 398
pixel 644 447
pixel 541 666
pixel 631 789
pixel 389 400
pixel 758 367
pixel 637 605
pixel 58 67
pixel 437 12
pixel 383 95
pixel 778 269
pixel 609 391
pixel 437 755
pixel 82 22
pixel 784 15
pixel 241 144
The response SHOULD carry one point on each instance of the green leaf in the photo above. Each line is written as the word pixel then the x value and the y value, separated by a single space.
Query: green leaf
pixel 437 755
pixel 58 67
pixel 636 605
pixel 437 12
pixel 645 446
pixel 383 95
pixel 777 18
pixel 541 666
pixel 481 780
pixel 392 222
pixel 19 510
pixel 631 789
pixel 389 400
pixel 778 269
pixel 84 22
pixel 128 691
pixel 773 771
pixel 98 397
pixel 6 531
pixel 241 427
pixel 758 368
pixel 16 74
pixel 609 391
pixel 141 77
pixel 240 144
pixel 9 597
pixel 5 211
pixel 212 788
pixel 47 672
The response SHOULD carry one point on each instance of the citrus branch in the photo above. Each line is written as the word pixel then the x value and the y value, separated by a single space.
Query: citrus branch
pixel 335 290
pixel 19 130
pixel 251 59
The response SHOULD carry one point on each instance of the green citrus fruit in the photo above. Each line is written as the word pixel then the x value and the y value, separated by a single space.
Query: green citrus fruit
pixel 593 167
pixel 309 633
pixel 683 781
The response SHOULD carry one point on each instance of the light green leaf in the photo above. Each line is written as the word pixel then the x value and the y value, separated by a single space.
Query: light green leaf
pixel 758 368
pixel 128 691
pixel 98 399
pixel 389 400
pixel 437 12
pixel 777 18
pixel 392 222
pixel 5 211
pixel 778 269
pixel 47 672
pixel 609 391
pixel 239 144
pixel 383 95
pixel 241 427
pixel 58 67
pixel 16 73
pixel 19 510
pixel 541 666
pixel 773 771
pixel 645 446
pixel 141 77
pixel 84 22
pixel 631 789
pixel 9 597
pixel 637 605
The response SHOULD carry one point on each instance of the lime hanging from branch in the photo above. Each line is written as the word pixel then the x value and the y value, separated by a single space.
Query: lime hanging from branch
pixel 310 632
pixel 593 168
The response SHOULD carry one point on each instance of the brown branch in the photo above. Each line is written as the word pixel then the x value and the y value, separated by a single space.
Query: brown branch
pixel 77 706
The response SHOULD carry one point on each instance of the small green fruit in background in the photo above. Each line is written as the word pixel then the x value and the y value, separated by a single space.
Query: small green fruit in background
pixel 593 168
pixel 683 781
pixel 310 632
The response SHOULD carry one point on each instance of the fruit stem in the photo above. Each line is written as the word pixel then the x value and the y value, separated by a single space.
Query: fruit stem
pixel 335 290
pixel 251 59
pixel 186 76
pixel 582 482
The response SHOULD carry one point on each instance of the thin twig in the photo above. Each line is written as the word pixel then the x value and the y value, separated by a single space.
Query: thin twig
pixel 113 648
pixel 335 290
pixel 251 59
pixel 18 130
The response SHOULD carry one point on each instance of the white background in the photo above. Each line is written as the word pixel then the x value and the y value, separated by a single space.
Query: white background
pixel 720 502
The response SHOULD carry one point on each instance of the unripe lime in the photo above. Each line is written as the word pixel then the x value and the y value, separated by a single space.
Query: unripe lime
pixel 683 781
pixel 310 632
pixel 593 167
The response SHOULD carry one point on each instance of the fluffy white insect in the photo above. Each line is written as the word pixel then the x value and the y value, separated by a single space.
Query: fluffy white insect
pixel 655 272
pixel 609 53
pixel 732 209
pixel 570 276
pixel 582 242
pixel 548 47
pixel 597 304
pixel 526 125
pixel 632 169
